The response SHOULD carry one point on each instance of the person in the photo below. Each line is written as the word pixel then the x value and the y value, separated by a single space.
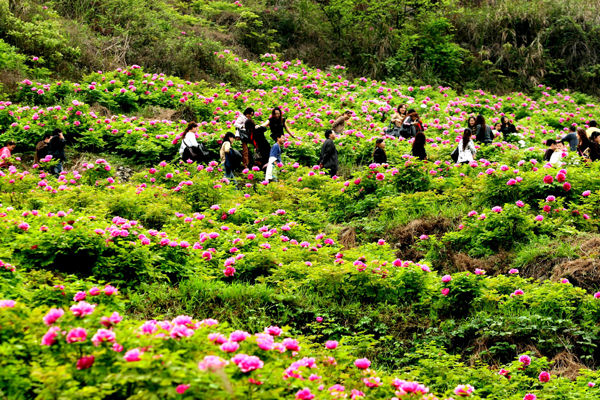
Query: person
pixel 584 142
pixel 243 135
pixel 190 149
pixel 595 146
pixel 593 127
pixel 277 123
pixel 258 140
pixel 379 156
pixel 483 133
pixel 497 130
pixel 225 152
pixel 551 144
pixel 329 154
pixel 466 148
pixel 507 128
pixel 41 149
pixel 274 156
pixel 397 119
pixel 411 124
pixel 558 154
pixel 56 148
pixel 338 125
pixel 6 153
pixel 571 138
pixel 418 146
pixel 472 123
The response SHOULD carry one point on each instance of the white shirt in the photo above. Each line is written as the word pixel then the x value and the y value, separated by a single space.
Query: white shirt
pixel 190 141
pixel 466 154
pixel 557 156
pixel 239 124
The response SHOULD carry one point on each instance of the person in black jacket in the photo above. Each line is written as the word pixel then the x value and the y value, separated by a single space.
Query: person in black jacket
pixel 507 128
pixel 551 143
pixel 483 132
pixel 418 147
pixel 595 146
pixel 56 148
pixel 379 156
pixel 329 155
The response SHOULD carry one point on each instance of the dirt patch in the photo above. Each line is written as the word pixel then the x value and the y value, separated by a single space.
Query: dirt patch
pixel 541 268
pixel 583 272
pixel 347 237
pixel 100 111
pixel 591 248
pixel 492 265
pixel 566 365
pixel 404 237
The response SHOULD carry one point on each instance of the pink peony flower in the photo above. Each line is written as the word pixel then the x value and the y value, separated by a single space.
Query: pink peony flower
pixel 85 362
pixel 331 344
pixel 304 394
pixel 76 335
pixel 49 337
pixel 181 389
pixel 230 347
pixel 133 355
pixel 525 360
pixel 362 363
pixel 52 315
pixel 463 390
pixel 82 309
pixel 446 278
pixel 212 363
pixel 544 377
pixel 530 396
pixel 247 363
pixel 103 335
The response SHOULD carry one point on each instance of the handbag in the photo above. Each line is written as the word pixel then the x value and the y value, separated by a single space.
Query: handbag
pixel 194 153
pixel 454 155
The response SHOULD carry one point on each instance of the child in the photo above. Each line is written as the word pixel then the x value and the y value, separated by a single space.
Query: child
pixel 274 156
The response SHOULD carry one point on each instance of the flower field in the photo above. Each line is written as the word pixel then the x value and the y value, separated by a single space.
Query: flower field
pixel 408 280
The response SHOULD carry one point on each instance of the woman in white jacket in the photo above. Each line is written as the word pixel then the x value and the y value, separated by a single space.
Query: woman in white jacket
pixel 466 148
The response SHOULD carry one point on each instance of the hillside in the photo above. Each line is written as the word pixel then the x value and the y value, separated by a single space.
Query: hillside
pixel 499 45
pixel 414 279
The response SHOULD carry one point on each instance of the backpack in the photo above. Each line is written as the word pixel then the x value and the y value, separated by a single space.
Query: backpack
pixel 454 154
pixel 233 159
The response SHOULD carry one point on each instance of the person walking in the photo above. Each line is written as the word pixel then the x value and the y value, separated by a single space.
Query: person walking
pixel 329 154
pixel 242 134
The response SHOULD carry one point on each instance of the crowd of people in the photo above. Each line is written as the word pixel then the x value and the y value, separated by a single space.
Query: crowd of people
pixel 405 123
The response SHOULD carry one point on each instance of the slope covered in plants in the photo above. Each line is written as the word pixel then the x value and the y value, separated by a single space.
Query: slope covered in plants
pixel 410 279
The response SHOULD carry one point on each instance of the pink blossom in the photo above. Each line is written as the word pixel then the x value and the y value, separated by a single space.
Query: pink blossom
pixel 463 390
pixel 103 335
pixel 247 363
pixel 49 337
pixel 79 296
pixel 525 360
pixel 181 389
pixel 133 355
pixel 362 363
pixel 446 278
pixel 76 335
pixel 82 309
pixel 230 347
pixel 85 362
pixel 110 290
pixel 331 344
pixel 212 363
pixel 544 377
pixel 445 291
pixel 530 396
pixel 304 394
pixel 52 315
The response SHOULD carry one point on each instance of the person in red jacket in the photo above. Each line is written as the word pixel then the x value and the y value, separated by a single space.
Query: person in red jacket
pixel 6 152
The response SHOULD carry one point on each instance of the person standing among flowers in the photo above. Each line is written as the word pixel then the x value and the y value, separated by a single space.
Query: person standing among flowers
pixel 277 124
pixel 584 143
pixel 418 146
pixel 6 153
pixel 338 125
pixel 274 157
pixel 466 148
pixel 329 154
pixel 243 134
pixel 483 132
pixel 225 153
pixel 41 149
pixel 56 148
pixel 379 156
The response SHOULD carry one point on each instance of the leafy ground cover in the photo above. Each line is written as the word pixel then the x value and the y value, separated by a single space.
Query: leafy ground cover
pixel 408 280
